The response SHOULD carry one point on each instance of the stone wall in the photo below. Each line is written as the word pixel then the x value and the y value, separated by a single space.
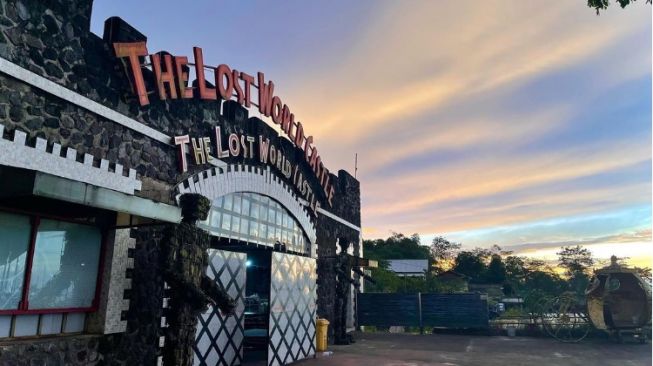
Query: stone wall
pixel 52 39
pixel 139 345
pixel 78 350
pixel 347 206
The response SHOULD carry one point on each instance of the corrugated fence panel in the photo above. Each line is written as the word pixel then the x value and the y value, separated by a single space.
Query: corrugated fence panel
pixel 437 310
pixel 388 309
pixel 454 310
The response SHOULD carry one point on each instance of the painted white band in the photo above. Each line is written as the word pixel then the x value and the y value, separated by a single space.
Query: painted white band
pixel 336 218
pixel 68 95
pixel 332 216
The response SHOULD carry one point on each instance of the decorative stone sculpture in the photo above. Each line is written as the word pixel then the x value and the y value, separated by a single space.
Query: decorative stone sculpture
pixel 185 257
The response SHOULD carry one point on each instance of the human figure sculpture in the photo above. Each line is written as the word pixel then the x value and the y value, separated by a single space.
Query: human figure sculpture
pixel 185 259
pixel 343 268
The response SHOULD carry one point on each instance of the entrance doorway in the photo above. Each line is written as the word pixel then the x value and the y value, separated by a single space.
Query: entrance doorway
pixel 274 322
pixel 256 300
pixel 257 307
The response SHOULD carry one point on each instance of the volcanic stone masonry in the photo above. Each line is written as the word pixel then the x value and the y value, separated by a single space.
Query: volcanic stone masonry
pixel 52 38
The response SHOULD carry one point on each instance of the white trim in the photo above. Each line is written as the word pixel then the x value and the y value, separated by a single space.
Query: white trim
pixel 336 218
pixel 68 95
pixel 332 216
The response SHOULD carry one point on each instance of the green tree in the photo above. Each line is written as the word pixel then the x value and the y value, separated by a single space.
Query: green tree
pixel 577 263
pixel 471 264
pixel 547 282
pixel 443 253
pixel 496 270
pixel 575 260
pixel 386 281
pixel 397 246
pixel 603 4
pixel 515 268
pixel 515 274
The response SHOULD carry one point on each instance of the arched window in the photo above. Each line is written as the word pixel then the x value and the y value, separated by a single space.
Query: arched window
pixel 255 218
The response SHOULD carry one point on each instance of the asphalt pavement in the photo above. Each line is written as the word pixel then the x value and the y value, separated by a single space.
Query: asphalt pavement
pixel 385 349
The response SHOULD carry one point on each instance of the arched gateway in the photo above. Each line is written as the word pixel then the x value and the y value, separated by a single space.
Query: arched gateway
pixel 98 137
pixel 255 209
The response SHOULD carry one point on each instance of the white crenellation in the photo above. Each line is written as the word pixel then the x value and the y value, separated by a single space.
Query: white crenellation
pixel 17 153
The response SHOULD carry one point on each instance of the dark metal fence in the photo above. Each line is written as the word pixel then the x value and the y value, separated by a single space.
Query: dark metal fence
pixel 459 311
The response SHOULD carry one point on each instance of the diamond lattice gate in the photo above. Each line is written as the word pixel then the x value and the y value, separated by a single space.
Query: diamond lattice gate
pixel 219 340
pixel 292 309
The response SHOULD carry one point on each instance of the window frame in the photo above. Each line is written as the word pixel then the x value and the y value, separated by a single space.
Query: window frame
pixel 23 305
pixel 278 220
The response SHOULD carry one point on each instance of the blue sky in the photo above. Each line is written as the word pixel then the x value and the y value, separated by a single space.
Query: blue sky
pixel 493 122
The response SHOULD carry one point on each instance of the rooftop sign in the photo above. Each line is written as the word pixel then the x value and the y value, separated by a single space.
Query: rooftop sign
pixel 171 82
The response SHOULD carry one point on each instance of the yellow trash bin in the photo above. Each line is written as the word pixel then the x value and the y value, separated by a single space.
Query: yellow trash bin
pixel 322 332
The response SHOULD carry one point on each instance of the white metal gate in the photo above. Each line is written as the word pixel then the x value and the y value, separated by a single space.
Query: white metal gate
pixel 292 308
pixel 219 340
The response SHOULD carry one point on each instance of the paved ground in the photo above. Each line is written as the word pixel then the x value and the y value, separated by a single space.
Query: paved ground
pixel 382 349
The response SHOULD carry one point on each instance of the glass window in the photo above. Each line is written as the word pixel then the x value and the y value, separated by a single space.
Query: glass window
pixel 252 216
pixel 64 258
pixel 263 213
pixel 14 244
pixel 271 215
pixel 218 202
pixel 5 325
pixel 253 229
pixel 271 234
pixel 26 325
pixel 235 224
pixel 215 218
pixel 226 222
pixel 236 203
pixel 263 231
pixel 65 266
pixel 245 206
pixel 74 323
pixel 228 202
pixel 288 222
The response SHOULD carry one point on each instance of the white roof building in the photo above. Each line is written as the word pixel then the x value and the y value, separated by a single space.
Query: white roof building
pixel 409 267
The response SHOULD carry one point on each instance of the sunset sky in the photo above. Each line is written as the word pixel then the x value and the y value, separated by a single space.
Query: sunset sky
pixel 520 123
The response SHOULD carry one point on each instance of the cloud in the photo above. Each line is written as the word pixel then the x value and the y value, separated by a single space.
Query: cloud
pixel 388 76
pixel 632 237
pixel 426 93
pixel 485 175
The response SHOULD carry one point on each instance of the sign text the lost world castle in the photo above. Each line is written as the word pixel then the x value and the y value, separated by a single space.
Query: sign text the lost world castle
pixel 171 80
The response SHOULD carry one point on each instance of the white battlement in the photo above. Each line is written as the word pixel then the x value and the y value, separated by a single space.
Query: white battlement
pixel 17 153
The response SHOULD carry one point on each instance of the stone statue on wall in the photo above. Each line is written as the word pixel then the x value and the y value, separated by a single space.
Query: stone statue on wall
pixel 185 257
pixel 344 281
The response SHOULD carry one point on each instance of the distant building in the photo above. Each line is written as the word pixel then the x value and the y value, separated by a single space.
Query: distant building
pixel 409 267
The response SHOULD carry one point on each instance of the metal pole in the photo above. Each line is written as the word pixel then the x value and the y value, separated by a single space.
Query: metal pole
pixel 419 309
pixel 355 165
